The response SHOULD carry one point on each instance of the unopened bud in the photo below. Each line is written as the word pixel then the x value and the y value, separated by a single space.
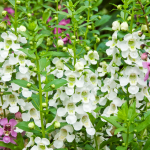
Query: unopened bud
pixel 64 49
pixel 4 13
pixel 35 69
pixel 119 7
pixel 89 27
pixel 144 56
pixel 135 130
pixel 56 124
pixel 3 25
pixel 53 86
pixel 18 115
pixel 140 34
pixel 144 27
pixel 31 125
pixel 59 7
pixel 29 99
pixel 1 93
pixel 29 15
pixel 29 85
pixel 142 46
pixel 81 17
pixel 49 42
pixel 99 17
pixel 123 144
pixel 129 18
pixel 87 48
pixel 18 2
pixel 60 43
pixel 73 37
pixel 55 18
pixel 44 105
pixel 97 40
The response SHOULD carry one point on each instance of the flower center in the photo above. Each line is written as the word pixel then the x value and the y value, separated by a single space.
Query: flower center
pixel 91 56
pixel 12 99
pixel 8 69
pixel 41 146
pixel 71 108
pixel 7 129
pixel 63 134
pixel 72 78
pixel 133 78
pixel 8 43
pixel 33 112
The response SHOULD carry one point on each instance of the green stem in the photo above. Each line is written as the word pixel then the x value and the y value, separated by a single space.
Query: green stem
pixel 57 23
pixel 75 145
pixel 142 7
pixel 40 95
pixel 96 142
pixel 74 46
pixel 132 18
pixel 88 18
pixel 2 101
pixel 127 135
pixel 16 22
pixel 128 95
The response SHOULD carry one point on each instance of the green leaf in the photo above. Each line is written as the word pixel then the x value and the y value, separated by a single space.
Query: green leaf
pixel 100 124
pixel 147 145
pixel 143 125
pixel 119 130
pixel 80 9
pixel 92 119
pixel 121 148
pixel 24 126
pixel 39 42
pixel 26 51
pixel 12 2
pixel 46 15
pixel 19 141
pixel 97 3
pixel 62 149
pixel 61 26
pixel 42 63
pixel 121 34
pixel 88 147
pixel 98 109
pixel 7 145
pixel 58 83
pixel 103 20
pixel 112 121
pixel 53 53
pixel 85 24
pixel 106 28
pixel 62 13
pixel 24 83
pixel 112 139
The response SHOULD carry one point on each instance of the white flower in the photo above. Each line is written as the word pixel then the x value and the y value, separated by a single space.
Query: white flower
pixel 102 70
pixel 124 26
pixel 79 66
pixel 60 43
pixel 41 144
pixel 116 25
pixel 144 27
pixel 22 28
pixel 92 57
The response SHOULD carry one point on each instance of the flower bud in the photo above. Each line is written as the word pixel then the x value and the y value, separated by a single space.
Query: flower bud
pixel 144 56
pixel 52 86
pixel 81 17
pixel 49 42
pixel 99 17
pixel 65 49
pixel 29 85
pixel 144 27
pixel 29 99
pixel 87 48
pixel 97 40
pixel 3 25
pixel 79 66
pixel 119 7
pixel 35 69
pixel 60 43
pixel 123 144
pixel 44 105
pixel 124 26
pixel 29 15
pixel 140 34
pixel 116 25
pixel 73 37
pixel 18 2
pixel 142 46
pixel 129 18
pixel 59 7
pixel 89 27
pixel 55 18
pixel 31 125
pixel 22 28
pixel 18 115
pixel 56 124
pixel 4 13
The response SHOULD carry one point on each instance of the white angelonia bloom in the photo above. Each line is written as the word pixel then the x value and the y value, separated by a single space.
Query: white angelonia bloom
pixel 26 92
pixel 93 78
pixel 12 101
pixel 22 28
pixel 65 133
pixel 41 144
pixel 9 39
pixel 116 25
pixel 133 76
pixel 124 26
pixel 130 44
pixel 31 142
pixel 85 95
pixel 102 70
pixel 144 92
pixel 60 43
pixel 21 76
pixel 58 63
pixel 79 66
pixel 92 57
pixel 32 113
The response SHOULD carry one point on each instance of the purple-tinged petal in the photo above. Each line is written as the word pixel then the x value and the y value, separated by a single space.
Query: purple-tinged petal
pixel 1 131
pixel 145 64
pixel 6 139
pixel 12 122
pixel 12 140
pixel 4 121
pixel 146 76
pixel 13 133
pixel 9 10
